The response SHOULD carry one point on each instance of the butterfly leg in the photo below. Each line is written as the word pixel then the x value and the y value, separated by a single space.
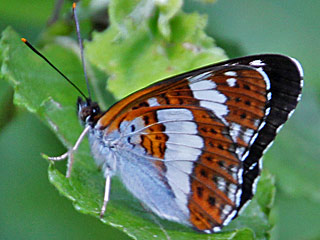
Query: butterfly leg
pixel 70 152
pixel 106 196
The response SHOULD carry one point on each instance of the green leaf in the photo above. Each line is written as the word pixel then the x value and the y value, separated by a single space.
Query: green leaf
pixel 7 109
pixel 124 57
pixel 167 10
pixel 130 15
pixel 267 192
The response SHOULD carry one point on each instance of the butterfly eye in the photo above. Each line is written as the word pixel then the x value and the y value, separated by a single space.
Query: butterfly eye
pixel 95 109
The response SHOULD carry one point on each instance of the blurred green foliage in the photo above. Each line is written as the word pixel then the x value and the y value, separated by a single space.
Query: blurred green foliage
pixel 30 209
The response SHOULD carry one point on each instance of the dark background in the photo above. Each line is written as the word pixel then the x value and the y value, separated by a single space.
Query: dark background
pixel 30 207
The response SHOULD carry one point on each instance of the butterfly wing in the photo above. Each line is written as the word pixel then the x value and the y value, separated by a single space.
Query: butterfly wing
pixel 189 147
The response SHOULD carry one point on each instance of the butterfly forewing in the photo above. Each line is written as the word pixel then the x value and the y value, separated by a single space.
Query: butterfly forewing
pixel 196 139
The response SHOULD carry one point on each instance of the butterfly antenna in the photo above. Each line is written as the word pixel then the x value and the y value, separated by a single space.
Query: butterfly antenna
pixel 81 46
pixel 54 67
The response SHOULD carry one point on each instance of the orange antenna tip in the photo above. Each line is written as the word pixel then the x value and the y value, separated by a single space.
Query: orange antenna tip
pixel 74 5
pixel 24 40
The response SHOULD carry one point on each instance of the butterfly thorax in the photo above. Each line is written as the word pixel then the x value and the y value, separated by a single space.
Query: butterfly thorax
pixel 89 114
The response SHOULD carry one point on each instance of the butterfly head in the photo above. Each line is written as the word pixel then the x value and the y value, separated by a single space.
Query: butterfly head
pixel 88 112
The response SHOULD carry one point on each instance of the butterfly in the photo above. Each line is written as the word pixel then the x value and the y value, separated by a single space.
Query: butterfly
pixel 190 147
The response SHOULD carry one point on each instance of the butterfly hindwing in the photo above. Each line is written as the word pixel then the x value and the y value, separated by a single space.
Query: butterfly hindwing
pixel 199 136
